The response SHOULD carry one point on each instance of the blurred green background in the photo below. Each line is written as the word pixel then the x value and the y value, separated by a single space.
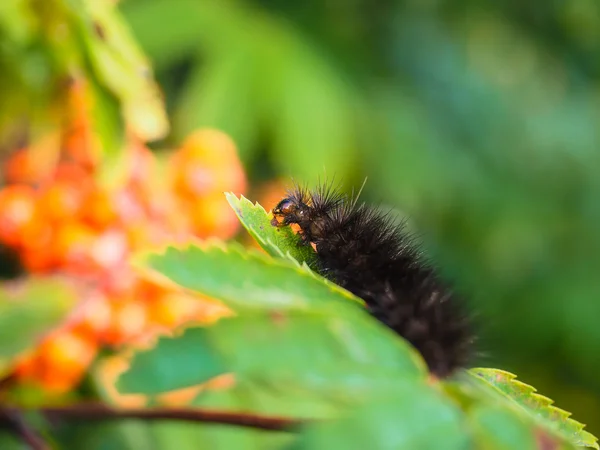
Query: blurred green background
pixel 478 119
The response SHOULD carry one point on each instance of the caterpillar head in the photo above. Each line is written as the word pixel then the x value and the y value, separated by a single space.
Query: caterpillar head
pixel 289 211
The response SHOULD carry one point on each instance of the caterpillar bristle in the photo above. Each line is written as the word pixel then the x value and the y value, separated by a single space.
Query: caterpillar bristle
pixel 363 250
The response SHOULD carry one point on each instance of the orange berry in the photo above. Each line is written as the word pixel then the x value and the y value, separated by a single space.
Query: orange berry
pixel 109 249
pixel 128 320
pixel 37 242
pixel 209 144
pixel 38 261
pixel 17 211
pixel 97 209
pixel 94 316
pixel 73 173
pixel 128 208
pixel 26 366
pixel 118 281
pixel 19 168
pixel 148 291
pixel 66 348
pixel 72 245
pixel 64 358
pixel 197 178
pixel 59 201
pixel 137 235
pixel 212 216
pixel 207 162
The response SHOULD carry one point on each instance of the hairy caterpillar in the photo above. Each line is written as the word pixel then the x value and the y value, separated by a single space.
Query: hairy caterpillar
pixel 364 251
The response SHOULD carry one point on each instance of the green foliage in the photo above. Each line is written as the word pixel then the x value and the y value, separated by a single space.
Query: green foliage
pixel 187 437
pixel 479 121
pixel 121 67
pixel 28 310
pixel 276 241
pixel 241 83
pixel 338 344
pixel 46 44
pixel 537 406
pixel 245 279
pixel 409 415
pixel 497 428
pixel 300 349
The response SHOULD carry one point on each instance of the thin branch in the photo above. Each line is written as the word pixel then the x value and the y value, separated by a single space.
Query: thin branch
pixel 12 420
pixel 99 412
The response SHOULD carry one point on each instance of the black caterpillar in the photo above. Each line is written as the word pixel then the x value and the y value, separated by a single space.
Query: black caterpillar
pixel 364 251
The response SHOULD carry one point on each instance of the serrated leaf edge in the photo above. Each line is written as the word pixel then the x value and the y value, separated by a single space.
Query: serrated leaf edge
pixel 546 402
pixel 233 200
pixel 139 261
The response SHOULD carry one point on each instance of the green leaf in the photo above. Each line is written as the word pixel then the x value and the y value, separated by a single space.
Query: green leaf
pixel 107 120
pixel 189 435
pixel 118 435
pixel 27 311
pixel 209 27
pixel 536 406
pixel 412 416
pixel 173 363
pixel 121 67
pixel 312 110
pixel 9 441
pixel 257 398
pixel 296 353
pixel 276 241
pixel 498 428
pixel 244 278
pixel 219 94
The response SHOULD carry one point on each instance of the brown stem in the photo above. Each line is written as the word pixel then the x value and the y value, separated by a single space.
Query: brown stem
pixel 99 412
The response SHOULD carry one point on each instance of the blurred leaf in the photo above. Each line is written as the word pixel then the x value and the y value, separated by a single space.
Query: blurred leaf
pixel 537 406
pixel 324 352
pixel 312 114
pixel 107 121
pixel 172 364
pixel 497 428
pixel 409 416
pixel 121 67
pixel 17 23
pixel 220 94
pixel 245 278
pixel 9 442
pixel 242 81
pixel 188 436
pixel 122 435
pixel 211 26
pixel 257 397
pixel 279 242
pixel 27 311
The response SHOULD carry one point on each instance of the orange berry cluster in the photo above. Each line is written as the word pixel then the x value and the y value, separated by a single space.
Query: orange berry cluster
pixel 63 221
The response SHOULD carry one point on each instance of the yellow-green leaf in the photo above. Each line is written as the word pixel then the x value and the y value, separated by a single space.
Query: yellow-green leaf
pixel 537 406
